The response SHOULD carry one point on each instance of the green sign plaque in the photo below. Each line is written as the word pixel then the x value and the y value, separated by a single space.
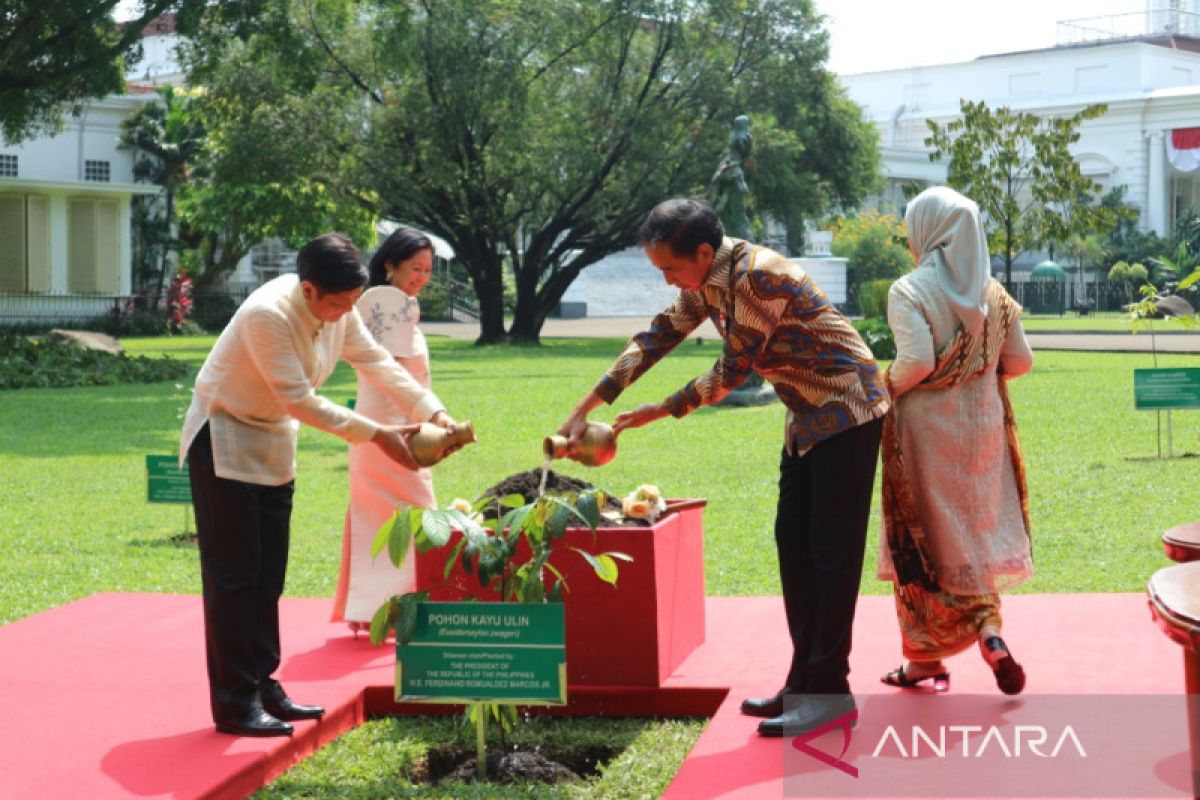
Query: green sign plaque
pixel 467 652
pixel 1166 389
pixel 166 482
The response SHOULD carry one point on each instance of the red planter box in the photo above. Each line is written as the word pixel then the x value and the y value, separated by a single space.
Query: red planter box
pixel 635 633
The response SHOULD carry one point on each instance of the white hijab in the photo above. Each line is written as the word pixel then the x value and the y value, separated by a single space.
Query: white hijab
pixel 945 230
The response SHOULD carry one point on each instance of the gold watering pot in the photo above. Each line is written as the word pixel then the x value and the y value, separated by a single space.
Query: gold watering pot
pixel 596 447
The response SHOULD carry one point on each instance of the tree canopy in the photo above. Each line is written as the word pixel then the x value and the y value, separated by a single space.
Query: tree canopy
pixel 1018 167
pixel 535 136
pixel 54 54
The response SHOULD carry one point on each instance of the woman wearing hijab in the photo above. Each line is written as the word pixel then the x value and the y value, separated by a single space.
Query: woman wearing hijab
pixel 389 308
pixel 956 523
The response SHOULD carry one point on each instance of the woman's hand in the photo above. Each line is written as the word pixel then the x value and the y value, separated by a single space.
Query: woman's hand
pixel 640 416
pixel 443 420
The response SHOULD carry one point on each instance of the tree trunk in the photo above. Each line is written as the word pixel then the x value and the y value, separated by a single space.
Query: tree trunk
pixel 488 281
pixel 527 322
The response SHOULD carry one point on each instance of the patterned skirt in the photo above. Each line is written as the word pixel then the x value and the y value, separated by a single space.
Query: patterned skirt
pixel 937 624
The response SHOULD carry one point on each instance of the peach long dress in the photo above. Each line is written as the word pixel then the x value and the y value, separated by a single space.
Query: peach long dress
pixel 378 484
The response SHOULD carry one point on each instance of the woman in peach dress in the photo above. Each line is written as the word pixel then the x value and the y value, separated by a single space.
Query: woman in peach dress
pixel 399 271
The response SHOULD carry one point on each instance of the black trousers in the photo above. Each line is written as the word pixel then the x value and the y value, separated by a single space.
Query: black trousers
pixel 820 533
pixel 243 535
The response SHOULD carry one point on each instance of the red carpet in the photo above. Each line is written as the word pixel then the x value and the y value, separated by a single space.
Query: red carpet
pixel 106 697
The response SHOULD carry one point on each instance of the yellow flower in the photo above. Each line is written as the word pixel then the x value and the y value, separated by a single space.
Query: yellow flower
pixel 638 509
pixel 648 492
pixel 461 505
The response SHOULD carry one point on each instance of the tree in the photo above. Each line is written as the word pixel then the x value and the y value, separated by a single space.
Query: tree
pixel 535 136
pixel 55 54
pixel 1125 242
pixel 167 139
pixel 874 246
pixel 1018 167
pixel 1129 277
pixel 277 154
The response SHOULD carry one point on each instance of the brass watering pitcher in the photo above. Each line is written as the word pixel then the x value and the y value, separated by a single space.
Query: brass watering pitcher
pixel 430 443
pixel 596 447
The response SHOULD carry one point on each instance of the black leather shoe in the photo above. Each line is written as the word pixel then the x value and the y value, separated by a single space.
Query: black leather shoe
pixel 810 712
pixel 765 706
pixel 255 722
pixel 290 710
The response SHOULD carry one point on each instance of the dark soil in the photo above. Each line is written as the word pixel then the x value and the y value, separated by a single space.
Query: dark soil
pixel 526 485
pixel 542 765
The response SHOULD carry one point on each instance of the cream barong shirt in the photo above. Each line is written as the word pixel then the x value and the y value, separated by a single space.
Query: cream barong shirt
pixel 259 383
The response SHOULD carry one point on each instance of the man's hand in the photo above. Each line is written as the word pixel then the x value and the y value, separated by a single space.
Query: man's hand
pixel 442 420
pixel 576 423
pixel 393 441
pixel 640 416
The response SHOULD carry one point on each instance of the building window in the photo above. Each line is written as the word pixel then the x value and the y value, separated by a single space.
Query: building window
pixel 25 231
pixel 93 246
pixel 97 171
pixel 8 165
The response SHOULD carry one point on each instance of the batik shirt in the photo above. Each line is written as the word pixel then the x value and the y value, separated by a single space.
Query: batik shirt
pixel 776 321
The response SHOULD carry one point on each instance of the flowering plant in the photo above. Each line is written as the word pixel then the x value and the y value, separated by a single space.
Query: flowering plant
pixel 179 300
pixel 644 502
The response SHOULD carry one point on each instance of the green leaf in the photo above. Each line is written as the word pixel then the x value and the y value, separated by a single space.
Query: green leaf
pixel 383 534
pixel 562 581
pixel 436 525
pixel 382 620
pixel 589 508
pixel 603 564
pixel 512 501
pixel 406 618
pixel 620 555
pixel 454 553
pixel 399 539
pixel 1189 280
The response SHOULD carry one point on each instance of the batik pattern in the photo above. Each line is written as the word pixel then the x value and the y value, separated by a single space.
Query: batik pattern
pixel 774 320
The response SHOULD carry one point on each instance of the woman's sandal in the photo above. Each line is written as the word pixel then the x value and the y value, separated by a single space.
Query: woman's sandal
pixel 898 678
pixel 1010 676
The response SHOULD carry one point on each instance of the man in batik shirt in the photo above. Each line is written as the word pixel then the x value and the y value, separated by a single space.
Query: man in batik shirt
pixel 776 321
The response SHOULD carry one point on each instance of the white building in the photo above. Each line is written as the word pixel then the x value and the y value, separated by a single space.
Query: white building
pixel 1144 65
pixel 65 203
pixel 65 215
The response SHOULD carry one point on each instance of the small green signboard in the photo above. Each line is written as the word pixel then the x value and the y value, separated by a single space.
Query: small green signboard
pixel 166 482
pixel 1166 389
pixel 467 652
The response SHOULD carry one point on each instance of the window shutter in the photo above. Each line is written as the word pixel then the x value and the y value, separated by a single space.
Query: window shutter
pixel 12 243
pixel 81 246
pixel 108 247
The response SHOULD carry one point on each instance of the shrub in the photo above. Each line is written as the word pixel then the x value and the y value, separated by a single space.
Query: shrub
pixel 875 247
pixel 873 298
pixel 878 336
pixel 29 363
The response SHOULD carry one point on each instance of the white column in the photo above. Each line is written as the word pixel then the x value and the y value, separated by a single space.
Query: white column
pixel 1156 185
pixel 59 239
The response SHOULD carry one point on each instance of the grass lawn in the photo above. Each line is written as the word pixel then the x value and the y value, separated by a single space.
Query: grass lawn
pixel 75 519
pixel 1113 322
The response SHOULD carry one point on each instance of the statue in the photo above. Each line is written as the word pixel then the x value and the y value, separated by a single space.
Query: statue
pixel 729 201
pixel 729 181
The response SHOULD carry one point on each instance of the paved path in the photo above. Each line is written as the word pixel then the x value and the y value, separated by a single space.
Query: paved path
pixel 624 327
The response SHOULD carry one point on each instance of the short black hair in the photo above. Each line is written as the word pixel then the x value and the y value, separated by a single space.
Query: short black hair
pixel 401 245
pixel 684 223
pixel 331 263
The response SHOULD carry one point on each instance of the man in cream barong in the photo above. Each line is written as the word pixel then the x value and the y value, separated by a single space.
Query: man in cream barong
pixel 239 438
